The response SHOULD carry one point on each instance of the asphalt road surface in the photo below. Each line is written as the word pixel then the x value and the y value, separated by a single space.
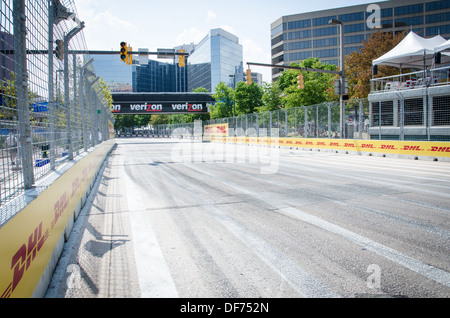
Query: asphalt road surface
pixel 179 218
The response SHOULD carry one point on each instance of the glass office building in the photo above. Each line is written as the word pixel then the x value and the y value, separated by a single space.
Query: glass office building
pixel 217 58
pixel 151 76
pixel 117 75
pixel 301 36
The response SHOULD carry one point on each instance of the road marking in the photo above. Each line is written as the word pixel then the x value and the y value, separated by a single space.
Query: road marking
pixel 155 280
pixel 296 276
pixel 417 266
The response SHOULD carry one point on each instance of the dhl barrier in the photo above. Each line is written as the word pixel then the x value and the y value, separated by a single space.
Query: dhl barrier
pixel 414 149
pixel 30 239
pixel 219 130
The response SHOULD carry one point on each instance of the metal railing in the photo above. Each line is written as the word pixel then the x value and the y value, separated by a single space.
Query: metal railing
pixel 51 109
pixel 414 80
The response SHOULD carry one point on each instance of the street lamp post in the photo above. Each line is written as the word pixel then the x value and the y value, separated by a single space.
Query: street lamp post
pixel 342 84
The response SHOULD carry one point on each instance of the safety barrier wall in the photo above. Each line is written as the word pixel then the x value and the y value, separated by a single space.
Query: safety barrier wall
pixel 407 149
pixel 32 241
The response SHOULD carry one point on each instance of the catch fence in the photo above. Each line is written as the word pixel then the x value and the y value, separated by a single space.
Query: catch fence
pixel 52 106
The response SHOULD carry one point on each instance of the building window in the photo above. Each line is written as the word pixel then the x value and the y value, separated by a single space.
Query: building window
pixel 325 31
pixel 353 39
pixel 322 21
pixel 299 24
pixel 408 21
pixel 326 53
pixel 325 42
pixel 443 29
pixel 299 34
pixel 278 49
pixel 278 29
pixel 351 49
pixel 354 28
pixel 437 5
pixel 278 39
pixel 299 45
pixel 351 17
pixel 386 12
pixel 440 17
pixel 411 9
pixel 300 56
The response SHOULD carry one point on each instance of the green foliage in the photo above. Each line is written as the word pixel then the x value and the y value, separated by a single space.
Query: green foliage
pixel 272 97
pixel 318 87
pixel 248 98
pixel 224 97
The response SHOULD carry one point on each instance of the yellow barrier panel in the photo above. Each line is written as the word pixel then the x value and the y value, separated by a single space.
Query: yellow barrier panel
pixel 410 148
pixel 215 130
pixel 29 238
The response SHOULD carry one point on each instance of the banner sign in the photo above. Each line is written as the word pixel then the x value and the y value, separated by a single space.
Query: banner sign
pixel 161 103
pixel 147 108
pixel 216 130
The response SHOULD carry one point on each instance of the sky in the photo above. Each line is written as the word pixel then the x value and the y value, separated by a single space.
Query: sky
pixel 154 24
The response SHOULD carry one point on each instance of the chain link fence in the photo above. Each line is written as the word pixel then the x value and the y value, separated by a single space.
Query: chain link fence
pixel 52 107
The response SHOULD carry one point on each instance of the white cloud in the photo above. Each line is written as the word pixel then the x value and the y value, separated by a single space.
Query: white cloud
pixel 191 35
pixel 210 16
pixel 253 52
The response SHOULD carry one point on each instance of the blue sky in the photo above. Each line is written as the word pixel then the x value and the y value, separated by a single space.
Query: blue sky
pixel 166 24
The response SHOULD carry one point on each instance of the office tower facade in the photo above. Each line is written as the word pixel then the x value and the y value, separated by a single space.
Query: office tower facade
pixel 301 36
pixel 217 58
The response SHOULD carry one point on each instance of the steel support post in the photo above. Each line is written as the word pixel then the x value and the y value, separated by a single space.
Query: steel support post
pixel 24 126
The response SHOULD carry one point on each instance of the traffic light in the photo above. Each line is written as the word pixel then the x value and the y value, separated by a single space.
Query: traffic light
pixel 59 50
pixel 123 52
pixel 248 77
pixel 181 59
pixel 300 81
pixel 129 60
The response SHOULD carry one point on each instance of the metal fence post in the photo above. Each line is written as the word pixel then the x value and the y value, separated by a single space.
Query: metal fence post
pixel 305 128
pixel 329 119
pixel 51 94
pixel 361 119
pixel 24 127
pixel 66 40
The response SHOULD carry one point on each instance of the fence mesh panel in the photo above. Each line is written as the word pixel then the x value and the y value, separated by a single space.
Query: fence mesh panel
pixel 56 118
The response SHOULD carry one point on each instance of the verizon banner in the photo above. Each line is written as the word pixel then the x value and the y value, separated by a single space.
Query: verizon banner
pixel 161 103
pixel 159 108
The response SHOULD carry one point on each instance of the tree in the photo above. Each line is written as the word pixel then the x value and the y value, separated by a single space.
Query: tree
pixel 248 98
pixel 272 97
pixel 224 97
pixel 358 65
pixel 159 120
pixel 318 87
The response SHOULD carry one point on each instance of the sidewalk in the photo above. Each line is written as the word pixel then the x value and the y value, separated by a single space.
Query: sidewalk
pixel 98 259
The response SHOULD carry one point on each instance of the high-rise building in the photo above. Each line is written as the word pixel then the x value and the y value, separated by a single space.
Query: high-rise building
pixel 114 72
pixel 300 36
pixel 217 58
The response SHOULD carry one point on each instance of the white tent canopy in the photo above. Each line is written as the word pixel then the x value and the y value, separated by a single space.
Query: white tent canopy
pixel 413 51
pixel 443 47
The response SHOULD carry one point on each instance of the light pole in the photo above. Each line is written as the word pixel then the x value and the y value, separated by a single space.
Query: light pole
pixel 342 84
